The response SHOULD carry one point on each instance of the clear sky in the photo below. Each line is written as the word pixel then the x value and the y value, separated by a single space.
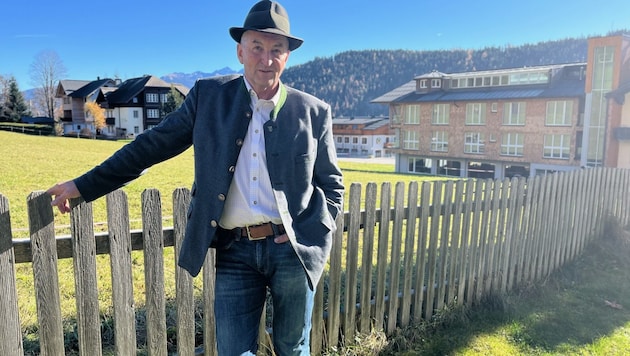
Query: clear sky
pixel 130 38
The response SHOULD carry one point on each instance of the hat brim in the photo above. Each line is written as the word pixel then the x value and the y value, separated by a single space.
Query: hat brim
pixel 294 42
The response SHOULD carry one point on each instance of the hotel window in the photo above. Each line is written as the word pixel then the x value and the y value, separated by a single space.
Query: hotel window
pixel 423 83
pixel 364 140
pixel 440 114
pixel 346 139
pixel 411 140
pixel 476 114
pixel 556 146
pixel 152 98
pixel 153 114
pixel 512 144
pixel 135 114
pixel 413 114
pixel 436 83
pixel 474 142
pixel 355 140
pixel 559 113
pixel 339 140
pixel 164 97
pixel 439 141
pixel 514 113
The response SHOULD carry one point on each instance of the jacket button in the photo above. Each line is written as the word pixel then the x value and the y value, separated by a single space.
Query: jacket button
pixel 221 197
pixel 248 115
pixel 239 142
pixel 213 223
pixel 231 169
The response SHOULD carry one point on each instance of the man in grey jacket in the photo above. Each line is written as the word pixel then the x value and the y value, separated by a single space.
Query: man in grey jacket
pixel 267 187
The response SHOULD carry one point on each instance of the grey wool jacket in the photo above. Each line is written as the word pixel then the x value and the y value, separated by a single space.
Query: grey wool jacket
pixel 301 159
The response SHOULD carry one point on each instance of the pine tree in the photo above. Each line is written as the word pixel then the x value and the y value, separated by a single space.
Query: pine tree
pixel 173 101
pixel 14 106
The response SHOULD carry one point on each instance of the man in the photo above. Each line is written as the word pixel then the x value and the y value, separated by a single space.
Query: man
pixel 267 187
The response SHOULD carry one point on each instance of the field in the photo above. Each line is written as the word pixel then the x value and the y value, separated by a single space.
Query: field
pixel 581 309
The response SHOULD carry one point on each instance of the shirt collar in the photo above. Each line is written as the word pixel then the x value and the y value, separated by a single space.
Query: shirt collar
pixel 274 99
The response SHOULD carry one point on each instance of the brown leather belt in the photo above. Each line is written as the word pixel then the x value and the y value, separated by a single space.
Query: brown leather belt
pixel 259 232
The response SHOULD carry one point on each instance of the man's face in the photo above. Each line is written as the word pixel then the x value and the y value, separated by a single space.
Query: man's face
pixel 264 56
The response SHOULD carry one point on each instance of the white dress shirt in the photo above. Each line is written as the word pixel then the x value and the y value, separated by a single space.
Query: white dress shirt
pixel 250 199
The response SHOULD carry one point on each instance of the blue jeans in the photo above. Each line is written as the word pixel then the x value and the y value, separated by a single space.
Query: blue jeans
pixel 244 271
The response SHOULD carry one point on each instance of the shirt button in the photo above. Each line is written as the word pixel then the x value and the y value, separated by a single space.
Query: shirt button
pixel 254 154
pixel 255 179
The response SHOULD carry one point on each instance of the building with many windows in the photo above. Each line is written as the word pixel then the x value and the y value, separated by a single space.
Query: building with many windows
pixel 522 121
pixel 362 136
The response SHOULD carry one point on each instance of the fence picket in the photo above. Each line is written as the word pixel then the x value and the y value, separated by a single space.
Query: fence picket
pixel 421 253
pixel 394 277
pixel 443 240
pixel 456 243
pixel 122 277
pixel 154 272
pixel 464 257
pixel 333 324
pixel 381 264
pixel 352 258
pixel 44 251
pixel 10 332
pixel 86 291
pixel 412 213
pixel 367 315
pixel 183 280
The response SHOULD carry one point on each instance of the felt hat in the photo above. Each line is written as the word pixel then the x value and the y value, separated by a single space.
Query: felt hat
pixel 267 16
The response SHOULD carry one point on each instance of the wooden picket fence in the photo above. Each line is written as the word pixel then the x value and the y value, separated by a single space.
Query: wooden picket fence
pixel 398 256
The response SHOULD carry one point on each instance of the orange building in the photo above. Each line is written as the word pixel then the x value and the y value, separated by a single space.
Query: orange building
pixel 522 121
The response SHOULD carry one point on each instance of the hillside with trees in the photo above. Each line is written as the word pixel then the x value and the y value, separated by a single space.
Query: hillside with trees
pixel 349 80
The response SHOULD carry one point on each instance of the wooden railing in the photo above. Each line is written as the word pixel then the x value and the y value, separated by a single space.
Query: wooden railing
pixel 398 257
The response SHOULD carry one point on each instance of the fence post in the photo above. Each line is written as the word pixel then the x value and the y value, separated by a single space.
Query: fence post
pixel 84 262
pixel 122 277
pixel 45 274
pixel 10 332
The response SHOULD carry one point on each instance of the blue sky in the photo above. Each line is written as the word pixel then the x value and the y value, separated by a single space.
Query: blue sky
pixel 130 38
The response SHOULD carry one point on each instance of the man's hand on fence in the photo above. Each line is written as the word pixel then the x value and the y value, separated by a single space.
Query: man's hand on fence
pixel 61 193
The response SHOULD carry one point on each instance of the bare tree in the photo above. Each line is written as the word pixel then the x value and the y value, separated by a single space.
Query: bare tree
pixel 46 71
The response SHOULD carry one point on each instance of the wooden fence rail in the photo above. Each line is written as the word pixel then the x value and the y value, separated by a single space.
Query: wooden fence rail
pixel 435 244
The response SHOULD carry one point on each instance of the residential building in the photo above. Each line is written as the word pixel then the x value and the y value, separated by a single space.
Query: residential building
pixel 362 136
pixel 131 107
pixel 521 121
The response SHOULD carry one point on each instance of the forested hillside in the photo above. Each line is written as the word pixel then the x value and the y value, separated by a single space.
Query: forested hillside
pixel 350 80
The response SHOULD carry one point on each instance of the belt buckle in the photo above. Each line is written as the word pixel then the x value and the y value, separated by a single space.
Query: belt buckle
pixel 250 237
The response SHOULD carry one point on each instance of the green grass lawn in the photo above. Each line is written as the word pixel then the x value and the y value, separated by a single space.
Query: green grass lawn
pixel 582 309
